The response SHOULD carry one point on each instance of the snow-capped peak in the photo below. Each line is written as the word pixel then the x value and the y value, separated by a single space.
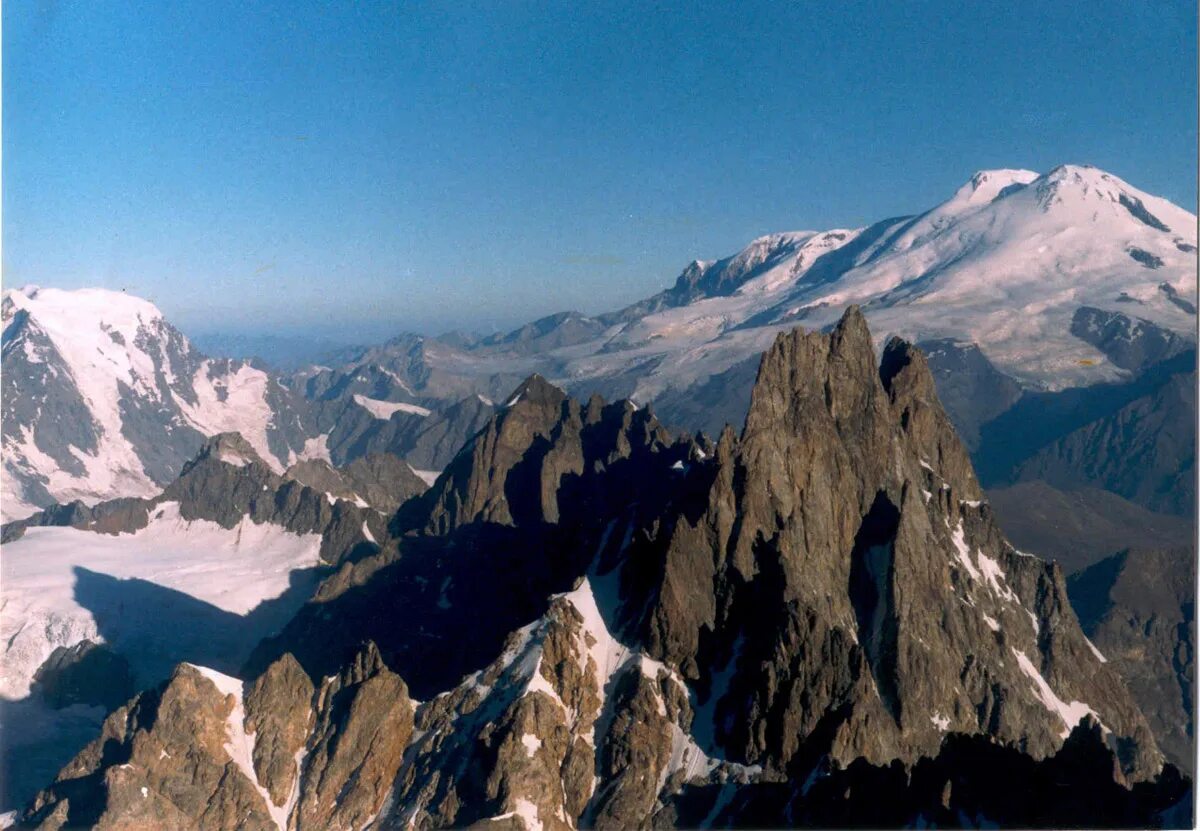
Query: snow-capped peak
pixel 1084 189
pixel 986 185
pixel 69 310
pixel 115 395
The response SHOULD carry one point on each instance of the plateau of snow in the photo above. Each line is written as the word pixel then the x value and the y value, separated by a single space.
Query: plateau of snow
pixel 173 591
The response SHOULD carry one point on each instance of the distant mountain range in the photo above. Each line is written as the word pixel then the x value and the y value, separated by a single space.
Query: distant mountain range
pixel 1024 289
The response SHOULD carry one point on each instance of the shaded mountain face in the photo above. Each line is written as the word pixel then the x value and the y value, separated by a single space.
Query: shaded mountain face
pixel 606 626
pixel 1134 438
pixel 379 480
pixel 970 783
pixel 1129 342
pixel 970 387
pixel 1138 607
pixel 1078 528
pixel 1145 451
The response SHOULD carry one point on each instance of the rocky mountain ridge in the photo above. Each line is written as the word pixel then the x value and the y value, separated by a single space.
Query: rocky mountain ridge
pixel 605 626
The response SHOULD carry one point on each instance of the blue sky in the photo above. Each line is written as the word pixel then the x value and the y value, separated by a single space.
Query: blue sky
pixel 356 169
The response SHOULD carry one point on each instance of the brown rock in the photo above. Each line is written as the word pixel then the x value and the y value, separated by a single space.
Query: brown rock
pixel 279 714
pixel 363 723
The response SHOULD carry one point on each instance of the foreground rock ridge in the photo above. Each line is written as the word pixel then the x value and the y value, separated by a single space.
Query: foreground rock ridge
pixel 586 622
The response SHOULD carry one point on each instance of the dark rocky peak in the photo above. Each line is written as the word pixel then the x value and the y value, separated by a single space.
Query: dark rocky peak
pixel 473 487
pixel 536 391
pixel 515 519
pixel 85 673
pixel 382 481
pixel 320 475
pixel 227 483
pixel 119 516
pixel 905 373
pixel 222 482
pixel 846 523
pixel 836 374
pixel 228 449
pixel 512 471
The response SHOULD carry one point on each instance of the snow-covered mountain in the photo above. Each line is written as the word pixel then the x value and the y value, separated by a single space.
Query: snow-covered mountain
pixel 1006 263
pixel 103 398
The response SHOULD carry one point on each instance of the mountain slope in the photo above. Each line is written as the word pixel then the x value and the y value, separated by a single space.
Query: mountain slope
pixel 1081 527
pixel 1145 451
pixel 1139 608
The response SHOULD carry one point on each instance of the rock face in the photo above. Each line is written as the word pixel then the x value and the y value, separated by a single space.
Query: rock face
pixel 364 721
pixel 381 481
pixel 170 758
pixel 611 628
pixel 1138 607
pixel 192 754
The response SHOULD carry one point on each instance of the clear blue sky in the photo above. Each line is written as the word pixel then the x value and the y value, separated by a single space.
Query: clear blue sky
pixel 366 167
